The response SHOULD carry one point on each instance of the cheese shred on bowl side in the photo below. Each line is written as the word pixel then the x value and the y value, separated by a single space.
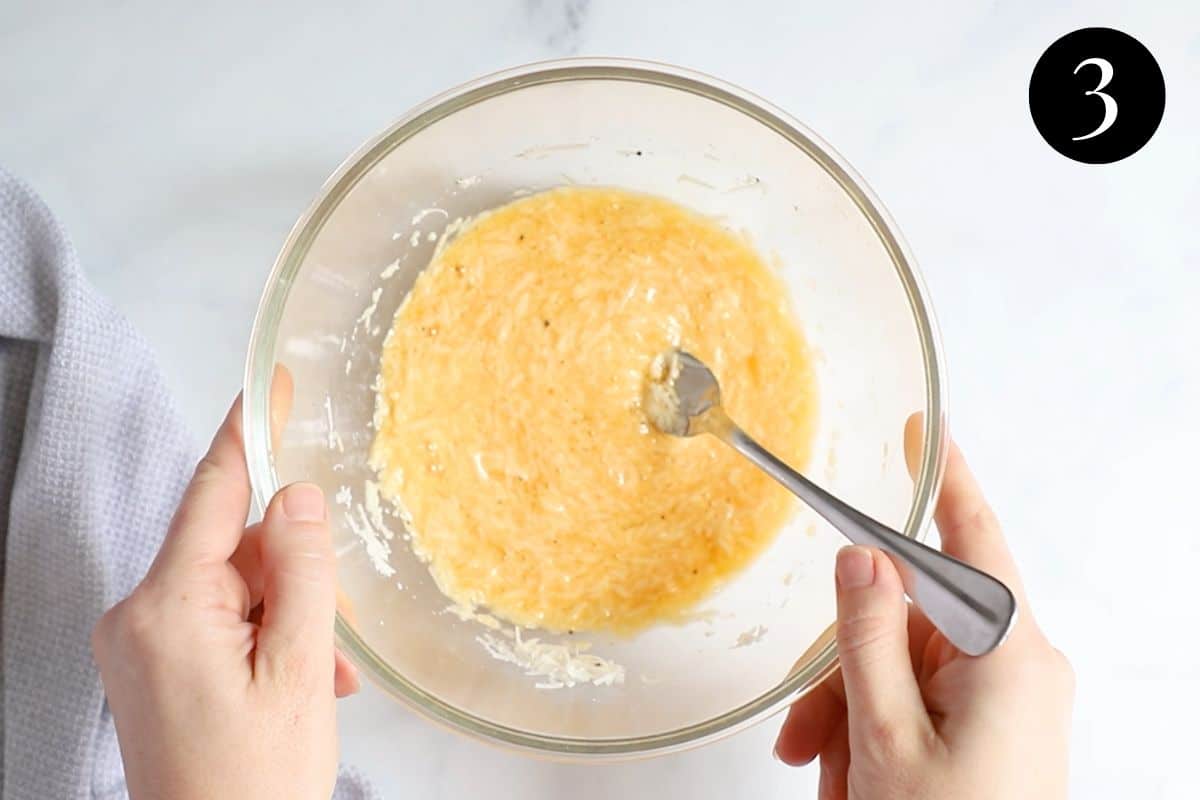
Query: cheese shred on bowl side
pixel 509 425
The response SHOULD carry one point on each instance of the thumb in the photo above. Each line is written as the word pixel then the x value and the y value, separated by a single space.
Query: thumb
pixel 299 587
pixel 883 703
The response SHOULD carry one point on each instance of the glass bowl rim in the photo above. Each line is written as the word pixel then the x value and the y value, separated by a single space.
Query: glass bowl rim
pixel 260 364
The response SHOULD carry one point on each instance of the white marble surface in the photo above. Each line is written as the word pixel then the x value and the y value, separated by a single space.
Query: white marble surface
pixel 179 141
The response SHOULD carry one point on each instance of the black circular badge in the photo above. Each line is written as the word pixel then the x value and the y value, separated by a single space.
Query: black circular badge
pixel 1097 95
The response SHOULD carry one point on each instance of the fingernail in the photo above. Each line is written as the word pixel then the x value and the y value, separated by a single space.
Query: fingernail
pixel 855 567
pixel 304 502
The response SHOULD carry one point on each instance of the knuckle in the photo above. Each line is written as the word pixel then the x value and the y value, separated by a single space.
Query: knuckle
pixel 863 632
pixel 1065 671
pixel 978 517
pixel 307 546
pixel 1045 665
pixel 983 517
pixel 294 671
pixel 140 615
pixel 973 523
pixel 137 622
pixel 889 743
pixel 102 634
pixel 207 470
pixel 130 628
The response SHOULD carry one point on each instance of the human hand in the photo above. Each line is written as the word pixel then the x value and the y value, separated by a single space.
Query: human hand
pixel 908 715
pixel 213 694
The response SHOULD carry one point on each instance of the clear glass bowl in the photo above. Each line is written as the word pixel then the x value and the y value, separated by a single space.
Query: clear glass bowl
pixel 647 127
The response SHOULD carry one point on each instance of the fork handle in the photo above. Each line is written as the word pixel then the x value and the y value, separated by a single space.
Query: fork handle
pixel 971 608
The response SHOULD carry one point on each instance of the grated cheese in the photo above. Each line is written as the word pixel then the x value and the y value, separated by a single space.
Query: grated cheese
pixel 364 318
pixel 390 270
pixel 331 435
pixel 425 212
pixel 562 665
pixel 751 636
pixel 375 540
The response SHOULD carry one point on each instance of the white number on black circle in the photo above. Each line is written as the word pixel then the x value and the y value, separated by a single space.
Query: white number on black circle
pixel 1110 105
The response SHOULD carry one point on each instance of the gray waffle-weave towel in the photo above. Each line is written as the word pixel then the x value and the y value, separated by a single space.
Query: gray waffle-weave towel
pixel 93 459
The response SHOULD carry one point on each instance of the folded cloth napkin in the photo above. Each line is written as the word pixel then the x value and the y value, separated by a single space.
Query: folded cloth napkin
pixel 93 459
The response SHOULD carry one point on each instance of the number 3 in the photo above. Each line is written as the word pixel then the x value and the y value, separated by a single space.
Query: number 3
pixel 1110 105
